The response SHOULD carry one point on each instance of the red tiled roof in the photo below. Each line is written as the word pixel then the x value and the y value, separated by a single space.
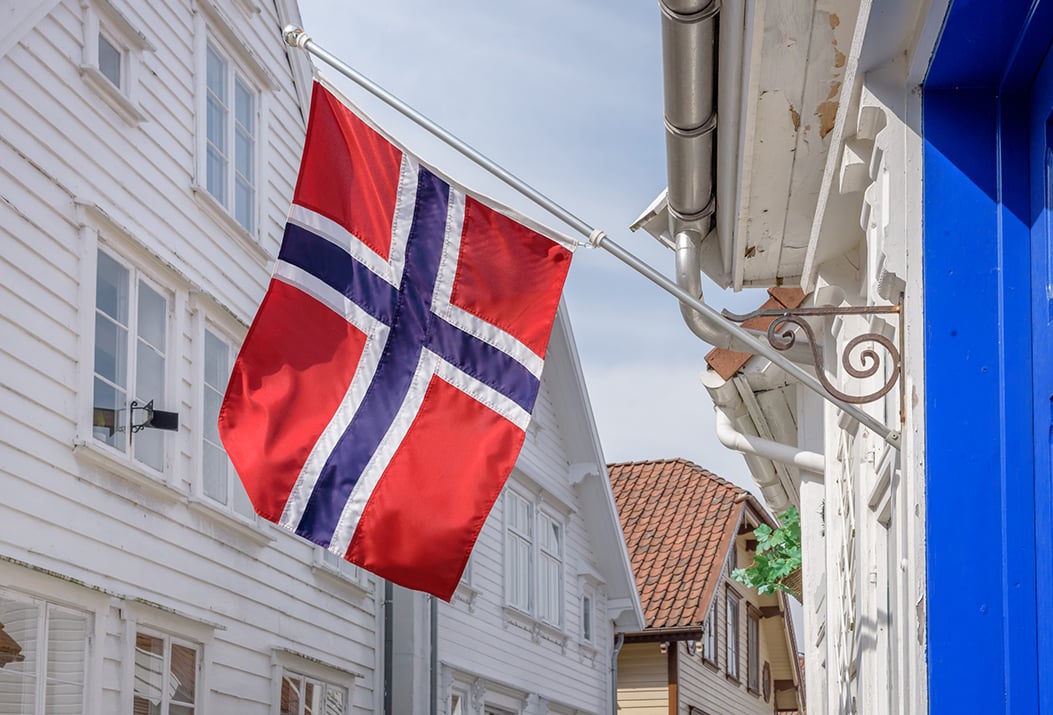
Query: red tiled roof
pixel 679 521
pixel 727 362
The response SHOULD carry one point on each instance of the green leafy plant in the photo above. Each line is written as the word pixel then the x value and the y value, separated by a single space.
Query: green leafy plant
pixel 778 555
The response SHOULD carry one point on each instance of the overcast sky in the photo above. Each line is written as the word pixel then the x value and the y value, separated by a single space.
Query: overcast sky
pixel 567 95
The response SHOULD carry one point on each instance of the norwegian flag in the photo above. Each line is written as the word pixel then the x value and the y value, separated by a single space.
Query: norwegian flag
pixel 381 397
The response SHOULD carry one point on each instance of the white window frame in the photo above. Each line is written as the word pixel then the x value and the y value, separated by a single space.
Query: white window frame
pixel 285 661
pixel 709 636
pixel 753 655
pixel 590 586
pixel 99 230
pixel 515 534
pixel 45 609
pixel 324 685
pixel 169 641
pixel 543 520
pixel 213 28
pixel 102 18
pixel 538 511
pixel 181 628
pixel 732 647
pixel 233 483
pixel 588 617
pixel 138 275
pixel 208 316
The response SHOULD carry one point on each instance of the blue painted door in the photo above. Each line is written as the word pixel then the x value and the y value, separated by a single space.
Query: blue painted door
pixel 1041 185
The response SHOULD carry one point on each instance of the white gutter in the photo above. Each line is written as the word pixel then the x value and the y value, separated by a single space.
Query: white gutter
pixel 766 448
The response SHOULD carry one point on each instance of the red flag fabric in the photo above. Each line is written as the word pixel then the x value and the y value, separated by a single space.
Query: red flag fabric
pixel 381 397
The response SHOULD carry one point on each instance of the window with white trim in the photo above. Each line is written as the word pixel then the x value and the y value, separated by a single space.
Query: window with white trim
pixel 110 58
pixel 219 481
pixel 709 636
pixel 533 560
pixel 304 695
pixel 166 675
pixel 731 634
pixel 519 544
pixel 586 617
pixel 113 51
pixel 231 136
pixel 43 661
pixel 752 649
pixel 550 569
pixel 131 358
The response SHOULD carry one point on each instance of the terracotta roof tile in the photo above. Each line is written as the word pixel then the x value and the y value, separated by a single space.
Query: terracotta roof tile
pixel 679 520
pixel 727 362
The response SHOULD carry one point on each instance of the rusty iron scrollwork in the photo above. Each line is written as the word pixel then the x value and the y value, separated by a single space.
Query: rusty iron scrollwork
pixel 863 363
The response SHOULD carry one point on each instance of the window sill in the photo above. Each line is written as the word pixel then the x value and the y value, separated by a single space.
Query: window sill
pixel 354 581
pixel 223 217
pixel 468 594
pixel 539 630
pixel 112 95
pixel 119 464
pixel 588 651
pixel 253 530
pixel 711 664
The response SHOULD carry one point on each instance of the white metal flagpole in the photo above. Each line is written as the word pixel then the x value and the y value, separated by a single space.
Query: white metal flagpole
pixel 296 37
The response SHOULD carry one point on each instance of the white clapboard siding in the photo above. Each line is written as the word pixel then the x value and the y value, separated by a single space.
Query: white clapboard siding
pixel 74 528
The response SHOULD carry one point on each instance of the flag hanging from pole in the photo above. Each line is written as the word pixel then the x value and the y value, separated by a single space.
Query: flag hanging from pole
pixel 381 396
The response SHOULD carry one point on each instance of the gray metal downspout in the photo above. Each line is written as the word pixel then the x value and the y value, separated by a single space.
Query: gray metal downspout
pixel 434 684
pixel 389 643
pixel 688 70
pixel 619 641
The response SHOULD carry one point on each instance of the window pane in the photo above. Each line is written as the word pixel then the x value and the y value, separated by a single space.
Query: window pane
pixel 149 376
pixel 243 205
pixel 111 288
pixel 214 466
pixel 290 704
pixel 216 175
pixel 183 673
pixel 181 710
pixel 242 503
pixel 217 362
pixel 111 350
pixel 311 695
pixel 152 317
pixel 150 448
pixel 244 106
pixel 149 674
pixel 243 149
pixel 18 678
pixel 586 618
pixel 109 61
pixel 109 415
pixel 550 588
pixel 213 400
pixel 216 72
pixel 67 656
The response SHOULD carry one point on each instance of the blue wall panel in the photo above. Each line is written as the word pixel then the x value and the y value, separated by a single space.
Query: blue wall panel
pixel 980 527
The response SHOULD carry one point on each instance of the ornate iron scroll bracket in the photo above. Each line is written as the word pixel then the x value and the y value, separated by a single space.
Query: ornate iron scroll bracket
pixel 857 361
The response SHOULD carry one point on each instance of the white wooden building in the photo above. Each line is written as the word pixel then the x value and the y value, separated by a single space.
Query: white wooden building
pixel 147 155
pixel 812 134
pixel 147 160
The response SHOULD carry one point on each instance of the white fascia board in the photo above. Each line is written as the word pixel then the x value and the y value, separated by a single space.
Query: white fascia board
pixel 599 510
